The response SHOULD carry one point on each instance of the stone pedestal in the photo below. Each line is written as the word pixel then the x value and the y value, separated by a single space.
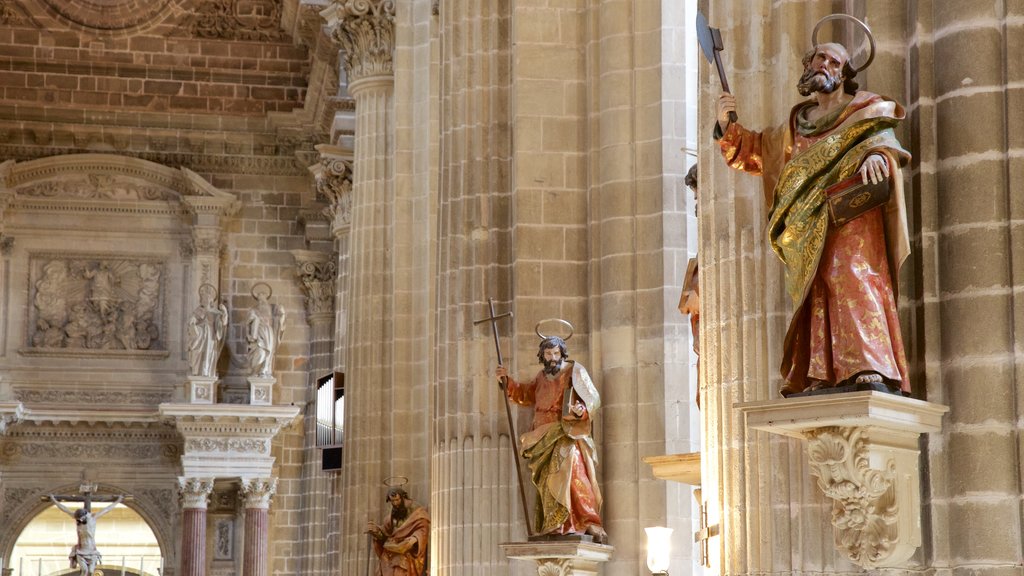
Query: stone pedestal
pixel 201 389
pixel 261 390
pixel 561 558
pixel 863 448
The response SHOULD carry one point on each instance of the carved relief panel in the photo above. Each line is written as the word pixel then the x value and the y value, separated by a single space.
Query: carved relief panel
pixel 95 304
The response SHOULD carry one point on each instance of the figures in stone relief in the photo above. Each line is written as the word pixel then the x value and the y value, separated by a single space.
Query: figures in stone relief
pixel 84 555
pixel 402 542
pixel 841 261
pixel 559 446
pixel 207 328
pixel 96 304
pixel 264 328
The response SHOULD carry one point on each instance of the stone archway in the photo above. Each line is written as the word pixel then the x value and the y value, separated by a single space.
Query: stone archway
pixel 157 509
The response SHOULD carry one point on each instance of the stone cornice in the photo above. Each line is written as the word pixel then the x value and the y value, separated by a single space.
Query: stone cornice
pixel 228 419
pixel 366 31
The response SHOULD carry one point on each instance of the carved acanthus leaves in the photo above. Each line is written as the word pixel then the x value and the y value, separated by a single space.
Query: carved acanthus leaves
pixel 96 187
pixel 366 31
pixel 195 492
pixel 235 445
pixel 865 510
pixel 554 567
pixel 334 182
pixel 257 492
pixel 318 283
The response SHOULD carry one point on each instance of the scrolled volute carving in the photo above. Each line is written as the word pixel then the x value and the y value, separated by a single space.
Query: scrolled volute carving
pixel 334 182
pixel 864 511
pixel 366 31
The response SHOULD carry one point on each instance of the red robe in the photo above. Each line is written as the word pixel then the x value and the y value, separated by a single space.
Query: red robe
pixel 560 451
pixel 413 563
pixel 847 321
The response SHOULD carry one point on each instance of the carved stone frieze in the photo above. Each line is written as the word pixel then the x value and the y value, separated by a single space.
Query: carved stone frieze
pixel 865 510
pixel 258 20
pixel 554 567
pixel 195 492
pixel 257 492
pixel 366 31
pixel 96 187
pixel 206 241
pixel 9 15
pixel 95 303
pixel 111 15
pixel 91 397
pixel 237 445
pixel 81 451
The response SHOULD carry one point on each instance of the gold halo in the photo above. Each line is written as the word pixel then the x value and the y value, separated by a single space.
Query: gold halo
pixel 565 323
pixel 863 26
pixel 395 481
pixel 269 291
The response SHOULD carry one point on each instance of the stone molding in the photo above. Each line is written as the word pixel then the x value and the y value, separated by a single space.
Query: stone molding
pixel 195 492
pixel 101 397
pixel 220 19
pixel 366 31
pixel 257 492
pixel 227 440
pixel 317 272
pixel 864 449
pixel 561 558
pixel 10 413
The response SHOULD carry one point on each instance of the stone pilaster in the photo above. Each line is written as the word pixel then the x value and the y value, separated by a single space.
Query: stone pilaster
pixel 195 495
pixel 257 493
pixel 365 30
pixel 210 209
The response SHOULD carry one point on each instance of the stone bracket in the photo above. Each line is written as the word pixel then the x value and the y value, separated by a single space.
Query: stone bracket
pixel 561 557
pixel 10 413
pixel 863 447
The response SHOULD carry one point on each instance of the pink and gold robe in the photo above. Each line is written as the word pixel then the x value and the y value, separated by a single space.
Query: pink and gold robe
pixel 841 280
pixel 560 451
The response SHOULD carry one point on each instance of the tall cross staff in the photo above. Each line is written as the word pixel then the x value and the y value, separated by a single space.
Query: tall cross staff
pixel 493 319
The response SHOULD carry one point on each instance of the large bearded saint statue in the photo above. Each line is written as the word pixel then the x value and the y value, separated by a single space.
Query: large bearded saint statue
pixel 845 329
pixel 559 446
pixel 402 542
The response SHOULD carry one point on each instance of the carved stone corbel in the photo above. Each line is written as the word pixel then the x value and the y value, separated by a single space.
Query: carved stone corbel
pixel 561 558
pixel 863 448
pixel 365 29
pixel 10 413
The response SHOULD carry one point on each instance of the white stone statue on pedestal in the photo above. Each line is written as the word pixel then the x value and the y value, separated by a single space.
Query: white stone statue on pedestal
pixel 207 328
pixel 264 328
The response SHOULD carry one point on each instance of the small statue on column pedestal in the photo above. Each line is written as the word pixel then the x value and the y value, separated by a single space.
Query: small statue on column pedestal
pixel 264 328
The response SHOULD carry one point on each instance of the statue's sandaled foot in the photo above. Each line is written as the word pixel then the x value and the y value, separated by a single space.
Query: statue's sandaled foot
pixel 869 378
pixel 598 533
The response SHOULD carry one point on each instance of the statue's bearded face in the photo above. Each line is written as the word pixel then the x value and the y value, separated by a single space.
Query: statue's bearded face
pixel 823 70
pixel 552 360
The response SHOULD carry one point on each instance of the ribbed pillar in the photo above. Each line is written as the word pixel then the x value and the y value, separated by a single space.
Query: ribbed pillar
pixel 475 502
pixel 978 119
pixel 365 30
pixel 256 493
pixel 195 493
pixel 317 272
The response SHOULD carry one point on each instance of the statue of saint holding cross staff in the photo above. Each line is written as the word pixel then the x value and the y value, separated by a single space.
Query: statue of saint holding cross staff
pixel 560 446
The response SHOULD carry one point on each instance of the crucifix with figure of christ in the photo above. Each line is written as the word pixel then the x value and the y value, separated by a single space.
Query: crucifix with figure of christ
pixel 84 554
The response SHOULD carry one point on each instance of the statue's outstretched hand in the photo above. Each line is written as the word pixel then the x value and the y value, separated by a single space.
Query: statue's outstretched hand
pixel 726 105
pixel 875 169
pixel 501 373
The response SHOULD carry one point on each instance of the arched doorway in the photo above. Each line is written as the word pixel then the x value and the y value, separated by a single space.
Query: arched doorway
pixel 128 544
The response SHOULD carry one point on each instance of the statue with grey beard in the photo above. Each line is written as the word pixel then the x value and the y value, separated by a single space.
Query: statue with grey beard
pixel 844 334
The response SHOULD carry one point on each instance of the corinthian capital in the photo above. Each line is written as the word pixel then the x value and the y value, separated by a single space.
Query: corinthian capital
pixel 258 491
pixel 334 180
pixel 366 31
pixel 195 492
pixel 317 271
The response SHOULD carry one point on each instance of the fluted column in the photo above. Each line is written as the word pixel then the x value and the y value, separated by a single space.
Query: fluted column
pixel 365 31
pixel 257 493
pixel 195 494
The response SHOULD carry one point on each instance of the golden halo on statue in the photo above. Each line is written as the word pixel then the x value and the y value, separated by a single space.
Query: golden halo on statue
pixel 257 290
pixel 395 481
pixel 863 26
pixel 565 323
